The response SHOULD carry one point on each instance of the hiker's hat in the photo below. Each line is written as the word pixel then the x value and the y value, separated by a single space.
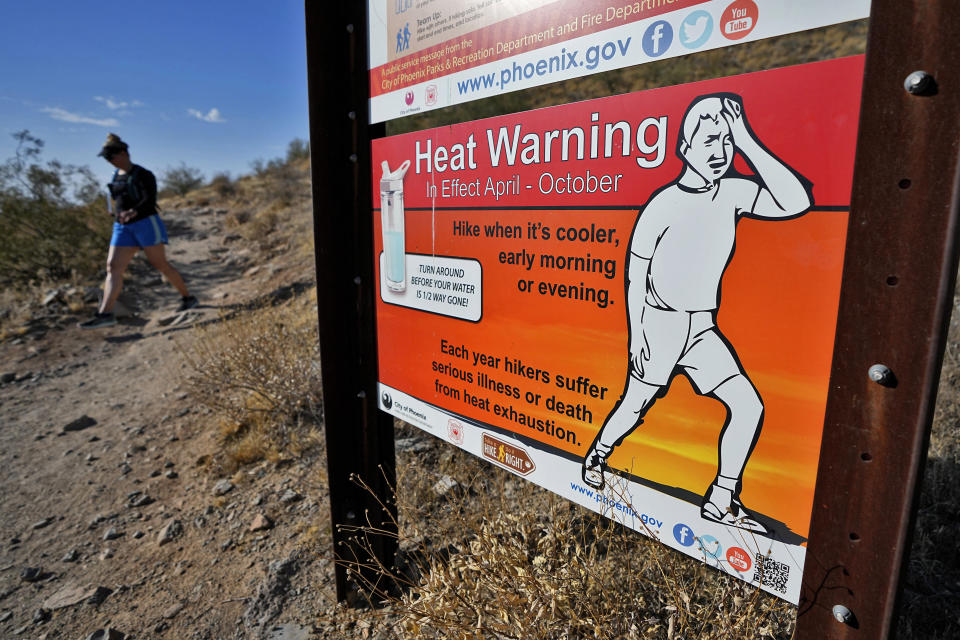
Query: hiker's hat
pixel 112 145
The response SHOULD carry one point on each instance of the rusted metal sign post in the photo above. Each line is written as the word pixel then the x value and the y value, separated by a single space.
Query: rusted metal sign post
pixel 359 437
pixel 898 283
pixel 898 280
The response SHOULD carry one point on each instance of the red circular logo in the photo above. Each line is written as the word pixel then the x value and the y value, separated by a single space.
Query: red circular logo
pixel 739 19
pixel 738 559
pixel 455 429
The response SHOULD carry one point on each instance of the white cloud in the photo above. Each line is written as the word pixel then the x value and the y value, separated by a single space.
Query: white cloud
pixel 66 116
pixel 112 104
pixel 210 116
pixel 120 106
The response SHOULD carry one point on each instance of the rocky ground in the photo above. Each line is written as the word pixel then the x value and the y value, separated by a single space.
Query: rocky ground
pixel 113 524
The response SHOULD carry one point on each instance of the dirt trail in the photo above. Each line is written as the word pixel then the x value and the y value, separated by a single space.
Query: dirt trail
pixel 100 450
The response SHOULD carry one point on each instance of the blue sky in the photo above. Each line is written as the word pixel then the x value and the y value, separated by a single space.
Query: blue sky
pixel 215 84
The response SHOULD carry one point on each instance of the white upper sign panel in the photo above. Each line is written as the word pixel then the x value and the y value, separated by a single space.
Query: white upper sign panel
pixel 428 54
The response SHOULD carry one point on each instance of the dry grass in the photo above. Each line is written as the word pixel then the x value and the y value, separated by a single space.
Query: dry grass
pixel 259 373
pixel 15 308
pixel 486 555
pixel 259 227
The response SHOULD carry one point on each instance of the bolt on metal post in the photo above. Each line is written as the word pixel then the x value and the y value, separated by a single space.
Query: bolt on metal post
pixel 842 614
pixel 917 82
pixel 881 374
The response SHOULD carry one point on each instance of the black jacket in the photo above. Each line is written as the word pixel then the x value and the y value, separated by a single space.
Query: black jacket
pixel 135 190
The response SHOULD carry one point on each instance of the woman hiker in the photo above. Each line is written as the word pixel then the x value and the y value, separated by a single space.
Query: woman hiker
pixel 137 226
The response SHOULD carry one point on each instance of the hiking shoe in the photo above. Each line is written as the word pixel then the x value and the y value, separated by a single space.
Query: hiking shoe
pixel 98 321
pixel 188 302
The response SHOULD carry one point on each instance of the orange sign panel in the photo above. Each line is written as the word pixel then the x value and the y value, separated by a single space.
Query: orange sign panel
pixel 632 301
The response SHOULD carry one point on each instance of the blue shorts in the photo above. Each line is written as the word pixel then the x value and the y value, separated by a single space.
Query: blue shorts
pixel 143 233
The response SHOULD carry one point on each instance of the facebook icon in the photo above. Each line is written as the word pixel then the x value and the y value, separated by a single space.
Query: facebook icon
pixel 657 38
pixel 683 534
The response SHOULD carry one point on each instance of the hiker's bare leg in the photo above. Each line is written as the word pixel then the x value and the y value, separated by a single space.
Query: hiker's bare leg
pixel 118 258
pixel 158 258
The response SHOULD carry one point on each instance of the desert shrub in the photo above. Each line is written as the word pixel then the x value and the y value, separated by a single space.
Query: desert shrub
pixel 279 181
pixel 282 179
pixel 259 373
pixel 53 222
pixel 282 184
pixel 237 218
pixel 261 225
pixel 181 180
pixel 223 185
pixel 298 150
pixel 260 167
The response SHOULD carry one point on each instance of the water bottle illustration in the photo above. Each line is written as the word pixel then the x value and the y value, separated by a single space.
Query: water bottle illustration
pixel 391 222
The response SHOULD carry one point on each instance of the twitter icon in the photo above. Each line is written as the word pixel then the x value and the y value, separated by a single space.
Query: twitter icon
pixel 695 29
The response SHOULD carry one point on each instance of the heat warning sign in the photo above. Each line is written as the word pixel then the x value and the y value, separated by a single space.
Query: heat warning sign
pixel 632 301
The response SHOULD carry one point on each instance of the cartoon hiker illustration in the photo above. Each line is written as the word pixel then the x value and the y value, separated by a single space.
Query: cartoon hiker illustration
pixel 682 242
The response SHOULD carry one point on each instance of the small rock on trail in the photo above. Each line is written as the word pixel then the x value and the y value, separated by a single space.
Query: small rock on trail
pixel 107 634
pixel 33 574
pixel 222 487
pixel 72 595
pixel 81 423
pixel 261 523
pixel 170 532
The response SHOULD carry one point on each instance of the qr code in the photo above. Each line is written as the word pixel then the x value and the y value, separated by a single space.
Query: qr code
pixel 770 573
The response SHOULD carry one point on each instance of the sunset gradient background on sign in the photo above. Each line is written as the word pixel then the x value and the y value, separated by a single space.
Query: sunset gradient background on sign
pixel 779 311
